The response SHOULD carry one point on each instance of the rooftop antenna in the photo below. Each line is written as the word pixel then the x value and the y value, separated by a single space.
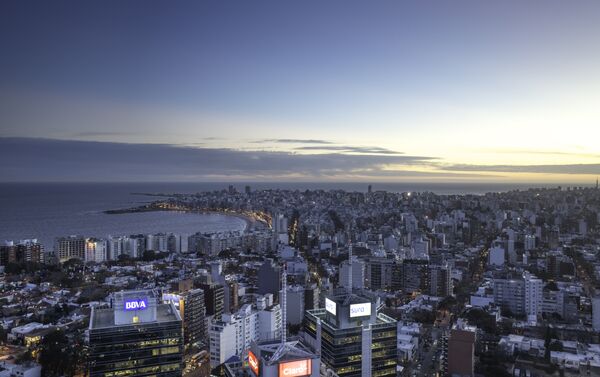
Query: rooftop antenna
pixel 283 346
pixel 350 267
pixel 283 304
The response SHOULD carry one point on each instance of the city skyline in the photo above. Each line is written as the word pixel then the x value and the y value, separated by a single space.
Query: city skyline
pixel 342 91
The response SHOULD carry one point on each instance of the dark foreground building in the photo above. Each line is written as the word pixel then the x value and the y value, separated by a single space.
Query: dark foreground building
pixel 352 337
pixel 138 336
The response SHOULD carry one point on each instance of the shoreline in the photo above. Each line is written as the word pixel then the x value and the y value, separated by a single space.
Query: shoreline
pixel 251 221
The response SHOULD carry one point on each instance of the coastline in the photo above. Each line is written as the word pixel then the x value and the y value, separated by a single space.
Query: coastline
pixel 252 222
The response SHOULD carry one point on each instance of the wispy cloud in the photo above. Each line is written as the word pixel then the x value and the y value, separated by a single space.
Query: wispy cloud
pixel 62 160
pixel 102 134
pixel 349 149
pixel 545 169
pixel 293 141
pixel 538 152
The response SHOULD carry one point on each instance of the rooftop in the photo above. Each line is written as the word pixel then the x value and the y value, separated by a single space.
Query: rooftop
pixel 102 318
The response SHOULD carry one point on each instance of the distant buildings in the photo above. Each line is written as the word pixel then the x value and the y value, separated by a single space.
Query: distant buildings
pixel 596 313
pixel 22 251
pixel 96 250
pixel 71 247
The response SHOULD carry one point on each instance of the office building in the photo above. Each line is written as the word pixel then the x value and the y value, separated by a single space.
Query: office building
pixel 137 336
pixel 214 296
pixel 190 304
pixel 352 338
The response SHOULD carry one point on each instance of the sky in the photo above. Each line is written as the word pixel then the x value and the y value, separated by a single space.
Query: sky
pixel 440 91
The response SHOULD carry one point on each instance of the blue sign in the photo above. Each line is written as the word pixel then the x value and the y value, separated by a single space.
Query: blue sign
pixel 137 304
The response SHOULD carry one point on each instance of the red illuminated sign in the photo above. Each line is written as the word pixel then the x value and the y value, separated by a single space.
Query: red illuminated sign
pixel 295 368
pixel 253 361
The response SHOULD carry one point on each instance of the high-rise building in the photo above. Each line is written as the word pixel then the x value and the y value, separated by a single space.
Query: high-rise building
pixel 311 297
pixel 22 251
pixel 268 278
pixel 440 280
pixel 596 313
pixel 509 294
pixel 96 250
pixel 214 295
pixel 461 351
pixel 295 305
pixel 529 242
pixel 352 337
pixel 378 273
pixel 497 255
pixel 135 246
pixel 234 333
pixel 234 302
pixel 192 311
pixel 70 247
pixel 137 336
pixel 358 274
pixel 534 288
pixel 415 275
pixel 116 247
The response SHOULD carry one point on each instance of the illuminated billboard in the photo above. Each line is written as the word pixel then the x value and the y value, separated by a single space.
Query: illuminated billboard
pixel 136 304
pixel 360 310
pixel 330 306
pixel 295 368
pixel 253 362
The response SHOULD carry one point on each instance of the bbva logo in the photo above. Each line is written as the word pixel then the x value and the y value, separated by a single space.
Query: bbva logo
pixel 140 304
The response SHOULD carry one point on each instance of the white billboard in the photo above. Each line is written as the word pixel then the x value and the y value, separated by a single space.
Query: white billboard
pixel 330 306
pixel 360 310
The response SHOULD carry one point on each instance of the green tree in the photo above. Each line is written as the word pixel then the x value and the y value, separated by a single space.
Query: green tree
pixel 56 355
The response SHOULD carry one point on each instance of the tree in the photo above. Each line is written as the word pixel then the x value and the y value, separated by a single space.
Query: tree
pixel 3 334
pixel 56 355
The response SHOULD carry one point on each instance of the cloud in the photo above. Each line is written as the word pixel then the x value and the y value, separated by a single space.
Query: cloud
pixel 102 134
pixel 349 149
pixel 545 169
pixel 538 152
pixel 31 159
pixel 293 141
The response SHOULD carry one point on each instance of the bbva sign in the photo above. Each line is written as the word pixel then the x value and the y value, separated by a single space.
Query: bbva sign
pixel 137 304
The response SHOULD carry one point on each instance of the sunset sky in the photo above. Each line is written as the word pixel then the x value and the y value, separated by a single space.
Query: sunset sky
pixel 300 90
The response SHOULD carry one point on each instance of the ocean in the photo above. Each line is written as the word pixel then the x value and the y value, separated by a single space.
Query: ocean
pixel 48 210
